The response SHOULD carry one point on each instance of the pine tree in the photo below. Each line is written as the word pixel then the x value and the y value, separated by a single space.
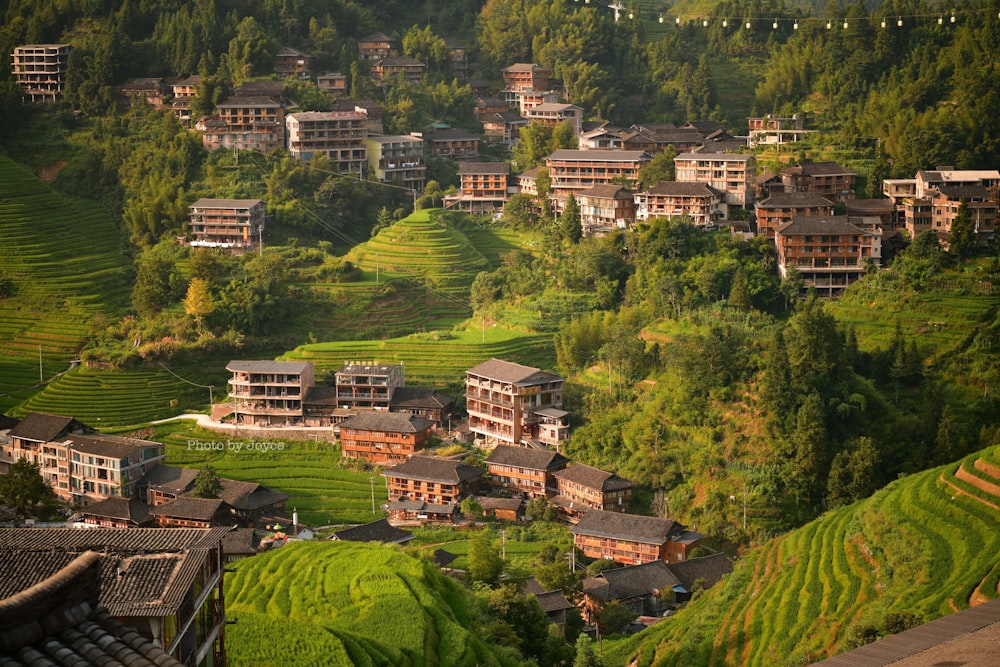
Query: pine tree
pixel 569 222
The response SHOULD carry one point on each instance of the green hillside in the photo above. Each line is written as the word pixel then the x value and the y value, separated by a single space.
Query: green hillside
pixel 926 544
pixel 62 263
pixel 341 603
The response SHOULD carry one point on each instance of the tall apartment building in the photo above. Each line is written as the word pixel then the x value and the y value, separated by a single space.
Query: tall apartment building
pixel 368 385
pixel 700 202
pixel 576 170
pixel 390 69
pixel 339 135
pixel 525 76
pixel 781 207
pixel 931 200
pixel 81 466
pixel 291 62
pixel 397 157
pixel 231 224
pixel 830 252
pixel 376 46
pixel 553 113
pixel 732 173
pixel 269 392
pixel 334 83
pixel 503 400
pixel 828 179
pixel 605 208
pixel 483 187
pixel 40 70
pixel 247 123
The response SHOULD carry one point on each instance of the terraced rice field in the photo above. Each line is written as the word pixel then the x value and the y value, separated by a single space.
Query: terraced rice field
pixel 927 543
pixel 342 603
pixel 65 260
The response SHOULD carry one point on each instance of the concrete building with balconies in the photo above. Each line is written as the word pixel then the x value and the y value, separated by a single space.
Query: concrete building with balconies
pixel 40 70
pixel 269 392
pixel 397 158
pixel 235 225
pixel 339 135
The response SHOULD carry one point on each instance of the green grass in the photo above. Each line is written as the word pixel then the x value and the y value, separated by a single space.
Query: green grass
pixel 341 603
pixel 918 545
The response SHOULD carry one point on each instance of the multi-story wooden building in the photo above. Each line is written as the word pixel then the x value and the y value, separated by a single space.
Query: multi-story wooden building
pixel 654 139
pixel 391 69
pixel 423 402
pixel 384 438
pixel 376 46
pixel 979 202
pixel 830 252
pixel 525 76
pixel 291 62
pixel 246 123
pixel 269 392
pixel 149 91
pixel 397 157
pixel 781 207
pixel 183 92
pixel 504 127
pixel 828 179
pixel 339 135
pixel 605 208
pixel 188 512
pixel 631 539
pixel 452 143
pixel 700 202
pixel 40 70
pixel 525 100
pixel 581 488
pixel 235 225
pixel 427 488
pixel 524 471
pixel 334 83
pixel 770 130
pixel 554 113
pixel 81 466
pixel 483 189
pixel 503 398
pixel 576 170
pixel 368 385
pixel 731 173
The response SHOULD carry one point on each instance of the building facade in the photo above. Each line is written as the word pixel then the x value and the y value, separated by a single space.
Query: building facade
pixel 631 539
pixel 368 385
pixel 731 173
pixel 483 187
pixel 576 170
pixel 384 438
pixel 339 135
pixel 524 471
pixel 828 179
pixel 254 123
pixel 397 157
pixel 235 225
pixel 605 208
pixel 701 203
pixel 502 399
pixel 581 487
pixel 40 70
pixel 829 252
pixel 269 392
pixel 781 207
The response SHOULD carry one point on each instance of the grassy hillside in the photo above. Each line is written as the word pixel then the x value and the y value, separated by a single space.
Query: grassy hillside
pixel 926 544
pixel 64 264
pixel 339 603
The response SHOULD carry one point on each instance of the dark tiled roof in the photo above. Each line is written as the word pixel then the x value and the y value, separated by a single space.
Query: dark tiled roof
pixel 377 37
pixel 264 366
pixel 794 199
pixel 683 189
pixel 171 478
pixel 7 422
pixel 59 621
pixel 42 427
pixel 376 531
pixel 633 581
pixel 818 169
pixel 112 540
pixel 593 478
pixel 705 126
pixel 708 568
pixel 443 558
pixel 553 601
pixel 491 503
pixel 238 100
pixel 820 224
pixel 712 155
pixel 430 468
pixel 727 146
pixel 632 527
pixel 453 134
pixel 869 206
pixel 124 509
pixel 483 168
pixel 523 457
pixel 399 61
pixel 199 509
pixel 380 420
pixel 598 156
pixel 108 445
pixel 508 371
pixel 962 192
pixel 239 542
pixel 419 397
pixel 524 67
pixel 321 395
pixel 249 496
pixel 605 190
pixel 422 507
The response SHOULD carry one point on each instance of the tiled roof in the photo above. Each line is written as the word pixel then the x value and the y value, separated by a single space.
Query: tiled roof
pixel 320 395
pixel 423 507
pixel 239 542
pixel 483 168
pixel 606 191
pixel 380 420
pixel 171 478
pixel 199 509
pixel 419 397
pixel 683 189
pixel 710 569
pixel 59 621
pixel 431 468
pixel 524 67
pixel 598 156
pixel 376 531
pixel 41 427
pixel 508 371
pixel 523 457
pixel 819 224
pixel 249 496
pixel 818 169
pixel 377 37
pixel 794 199
pixel 107 539
pixel 710 155
pixel 267 366
pixel 108 445
pixel 959 192
pixel 628 582
pixel 491 503
pixel 553 601
pixel 443 558
pixel 593 478
pixel 451 134
pixel 124 509
pixel 399 61
pixel 238 100
pixel 632 527
pixel 869 206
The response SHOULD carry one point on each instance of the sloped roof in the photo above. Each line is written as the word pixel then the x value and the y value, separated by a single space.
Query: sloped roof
pixel 171 478
pixel 491 503
pixel 683 189
pixel 434 469
pixel 606 191
pixel 818 169
pixel 524 67
pixel 108 445
pixel 377 37
pixel 633 581
pixel 450 134
pixel 593 478
pixel 553 601
pixel 710 569
pixel 962 192
pixel 376 531
pixel 240 542
pixel 794 199
pixel 265 366
pixel 42 427
pixel 525 457
pixel 419 397
pixel 631 527
pixel 443 558
pixel 598 156
pixel 198 509
pixel 380 420
pixel 869 206
pixel 249 496
pixel 508 371
pixel 819 224
pixel 483 168
pixel 123 509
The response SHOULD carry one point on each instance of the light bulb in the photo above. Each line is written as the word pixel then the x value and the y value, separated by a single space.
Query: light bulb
pixel 774 26
pixel 725 23
pixel 883 23
pixel 845 25
pixel 748 25
pixel 952 18
pixel 795 26
pixel 704 23
pixel 829 25
pixel 661 18
pixel 899 22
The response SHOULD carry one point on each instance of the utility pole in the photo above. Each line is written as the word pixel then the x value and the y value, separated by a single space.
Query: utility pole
pixel 503 544
pixel 41 377
pixel 372 480
pixel 376 268
pixel 744 509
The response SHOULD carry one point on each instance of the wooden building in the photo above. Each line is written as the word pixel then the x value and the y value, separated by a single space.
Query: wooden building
pixel 632 539
pixel 503 399
pixel 524 471
pixel 781 207
pixel 581 488
pixel 384 438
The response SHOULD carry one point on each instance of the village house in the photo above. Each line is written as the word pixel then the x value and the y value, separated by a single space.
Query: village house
pixel 376 531
pixel 167 584
pixel 504 509
pixel 503 127
pixel 600 138
pixel 781 207
pixel 883 209
pixel 503 399
pixel 384 438
pixel 334 83
pixel 731 173
pixel 654 139
pixel 81 466
pixel 605 208
pixel 427 488
pixel 828 179
pixel 524 471
pixel 292 63
pixel 553 113
pixel 376 46
pixel 483 187
pixel 246 123
pixel 581 488
pixel 372 110
pixel 235 225
pixel 914 198
pixel 487 106
pixel 459 57
pixel 700 202
pixel 40 70
pixel 978 201
pixel 576 170
pixel 830 252
pixel 117 512
pixel 150 92
pixel 770 130
pixel 368 385
pixel 423 402
pixel 183 92
pixel 527 181
pixel 245 501
pixel 525 76
pixel 392 69
pixel 267 393
pixel 524 100
pixel 339 135
pixel 392 157
pixel 632 539
pixel 452 143
pixel 189 512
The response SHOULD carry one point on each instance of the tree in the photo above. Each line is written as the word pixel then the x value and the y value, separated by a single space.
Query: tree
pixel 585 654
pixel 569 222
pixel 660 168
pixel 791 285
pixel 853 474
pixel 739 295
pixel 199 303
pixel 471 509
pixel 24 489
pixel 207 484
pixel 485 564
pixel 154 285
pixel 613 617
pixel 962 239
pixel 806 468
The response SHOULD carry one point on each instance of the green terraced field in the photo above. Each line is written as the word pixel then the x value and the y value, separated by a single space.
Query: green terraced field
pixel 342 603
pixel 927 543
